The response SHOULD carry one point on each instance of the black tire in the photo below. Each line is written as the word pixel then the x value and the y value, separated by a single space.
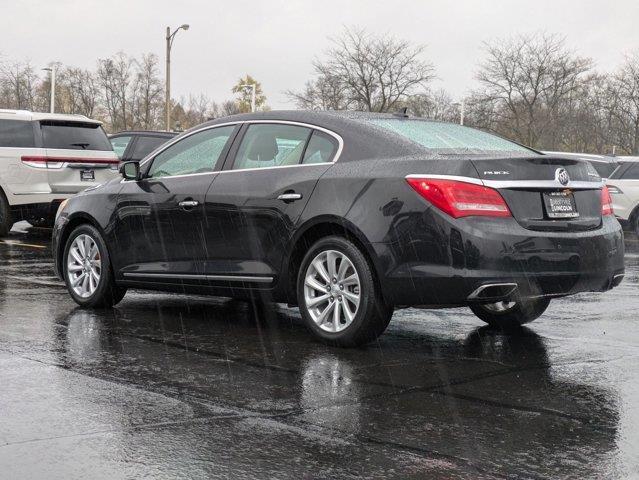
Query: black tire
pixel 372 315
pixel 522 312
pixel 6 219
pixel 107 293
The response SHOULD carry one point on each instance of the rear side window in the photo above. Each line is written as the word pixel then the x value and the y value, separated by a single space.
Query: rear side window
pixel 74 136
pixel 604 169
pixel 448 138
pixel 632 173
pixel 16 134
pixel 271 145
pixel 145 145
pixel 321 148
pixel 119 145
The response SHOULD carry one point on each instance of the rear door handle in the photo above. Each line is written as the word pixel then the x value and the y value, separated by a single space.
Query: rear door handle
pixel 290 197
pixel 189 203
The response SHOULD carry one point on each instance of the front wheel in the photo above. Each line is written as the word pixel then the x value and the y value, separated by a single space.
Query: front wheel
pixel 87 269
pixel 509 315
pixel 339 299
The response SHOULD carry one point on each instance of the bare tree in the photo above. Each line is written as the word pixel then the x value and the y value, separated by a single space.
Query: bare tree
pixel 114 78
pixel 147 93
pixel 365 72
pixel 524 81
pixel 17 86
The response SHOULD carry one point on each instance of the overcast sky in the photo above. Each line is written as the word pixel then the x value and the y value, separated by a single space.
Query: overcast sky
pixel 276 40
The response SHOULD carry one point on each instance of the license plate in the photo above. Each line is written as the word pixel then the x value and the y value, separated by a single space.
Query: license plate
pixel 87 175
pixel 560 205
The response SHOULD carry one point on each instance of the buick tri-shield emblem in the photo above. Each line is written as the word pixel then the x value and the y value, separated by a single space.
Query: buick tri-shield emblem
pixel 561 175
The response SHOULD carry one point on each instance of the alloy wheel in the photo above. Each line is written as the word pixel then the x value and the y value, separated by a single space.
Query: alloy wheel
pixel 84 266
pixel 499 307
pixel 332 291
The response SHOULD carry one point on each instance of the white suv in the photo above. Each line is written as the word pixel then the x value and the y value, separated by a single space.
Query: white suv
pixel 623 185
pixel 46 158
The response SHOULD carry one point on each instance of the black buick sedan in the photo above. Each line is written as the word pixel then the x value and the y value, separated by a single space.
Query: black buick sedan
pixel 348 216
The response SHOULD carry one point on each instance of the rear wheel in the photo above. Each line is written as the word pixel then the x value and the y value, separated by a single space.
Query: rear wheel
pixel 6 220
pixel 339 299
pixel 87 269
pixel 508 315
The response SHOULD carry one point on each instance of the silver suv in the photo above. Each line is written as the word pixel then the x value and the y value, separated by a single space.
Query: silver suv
pixel 46 158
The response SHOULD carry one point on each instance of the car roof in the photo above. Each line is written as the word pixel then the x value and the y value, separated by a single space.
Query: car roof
pixel 627 158
pixel 27 115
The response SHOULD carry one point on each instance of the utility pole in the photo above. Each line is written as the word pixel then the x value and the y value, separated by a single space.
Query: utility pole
pixel 461 113
pixel 52 94
pixel 169 43
pixel 252 87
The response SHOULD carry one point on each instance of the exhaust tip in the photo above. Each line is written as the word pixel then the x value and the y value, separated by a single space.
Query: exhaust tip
pixel 616 280
pixel 493 291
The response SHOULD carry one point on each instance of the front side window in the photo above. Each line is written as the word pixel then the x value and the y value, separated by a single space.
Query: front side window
pixel 448 138
pixel 271 145
pixel 120 144
pixel 74 136
pixel 197 153
pixel 321 148
pixel 16 134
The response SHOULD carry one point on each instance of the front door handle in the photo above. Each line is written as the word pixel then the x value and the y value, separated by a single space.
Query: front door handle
pixel 290 196
pixel 188 204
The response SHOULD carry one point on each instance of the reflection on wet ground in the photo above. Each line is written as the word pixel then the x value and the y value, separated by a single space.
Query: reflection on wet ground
pixel 167 386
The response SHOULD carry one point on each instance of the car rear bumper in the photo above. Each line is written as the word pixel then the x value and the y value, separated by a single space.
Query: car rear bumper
pixel 453 265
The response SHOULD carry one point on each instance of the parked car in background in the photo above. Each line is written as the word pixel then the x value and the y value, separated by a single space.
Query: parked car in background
pixel 134 145
pixel 623 185
pixel 604 164
pixel 348 215
pixel 44 159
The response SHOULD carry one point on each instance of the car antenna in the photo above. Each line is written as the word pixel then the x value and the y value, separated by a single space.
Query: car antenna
pixel 402 112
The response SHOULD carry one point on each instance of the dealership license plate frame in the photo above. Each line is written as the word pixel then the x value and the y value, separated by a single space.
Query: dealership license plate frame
pixel 87 175
pixel 560 205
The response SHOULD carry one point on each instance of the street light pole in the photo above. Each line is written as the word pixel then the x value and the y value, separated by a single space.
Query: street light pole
pixel 461 113
pixel 252 87
pixel 52 95
pixel 169 43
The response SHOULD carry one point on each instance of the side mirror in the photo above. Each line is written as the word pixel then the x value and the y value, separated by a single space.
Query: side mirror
pixel 130 170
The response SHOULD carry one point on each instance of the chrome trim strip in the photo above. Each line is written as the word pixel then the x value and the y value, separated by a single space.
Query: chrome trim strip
pixel 515 184
pixel 340 140
pixel 458 178
pixel 481 288
pixel 177 276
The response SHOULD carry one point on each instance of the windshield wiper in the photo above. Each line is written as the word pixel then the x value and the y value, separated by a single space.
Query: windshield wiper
pixel 84 145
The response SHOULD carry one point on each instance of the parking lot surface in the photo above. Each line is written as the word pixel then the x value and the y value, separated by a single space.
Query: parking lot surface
pixel 170 386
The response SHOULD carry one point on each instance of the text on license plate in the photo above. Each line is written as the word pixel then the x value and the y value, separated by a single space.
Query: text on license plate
pixel 87 175
pixel 560 204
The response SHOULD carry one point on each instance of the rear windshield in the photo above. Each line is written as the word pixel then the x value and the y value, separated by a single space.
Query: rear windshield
pixel 448 138
pixel 16 134
pixel 74 136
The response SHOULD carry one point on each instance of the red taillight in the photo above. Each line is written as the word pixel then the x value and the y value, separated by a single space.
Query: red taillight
pixel 460 199
pixel 606 202
pixel 43 161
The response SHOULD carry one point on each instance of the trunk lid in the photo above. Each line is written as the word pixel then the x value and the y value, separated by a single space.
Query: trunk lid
pixel 546 193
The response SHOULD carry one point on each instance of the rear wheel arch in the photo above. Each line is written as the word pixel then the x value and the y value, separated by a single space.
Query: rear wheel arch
pixel 311 233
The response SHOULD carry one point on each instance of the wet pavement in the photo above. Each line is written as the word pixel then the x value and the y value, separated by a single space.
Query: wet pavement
pixel 169 386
